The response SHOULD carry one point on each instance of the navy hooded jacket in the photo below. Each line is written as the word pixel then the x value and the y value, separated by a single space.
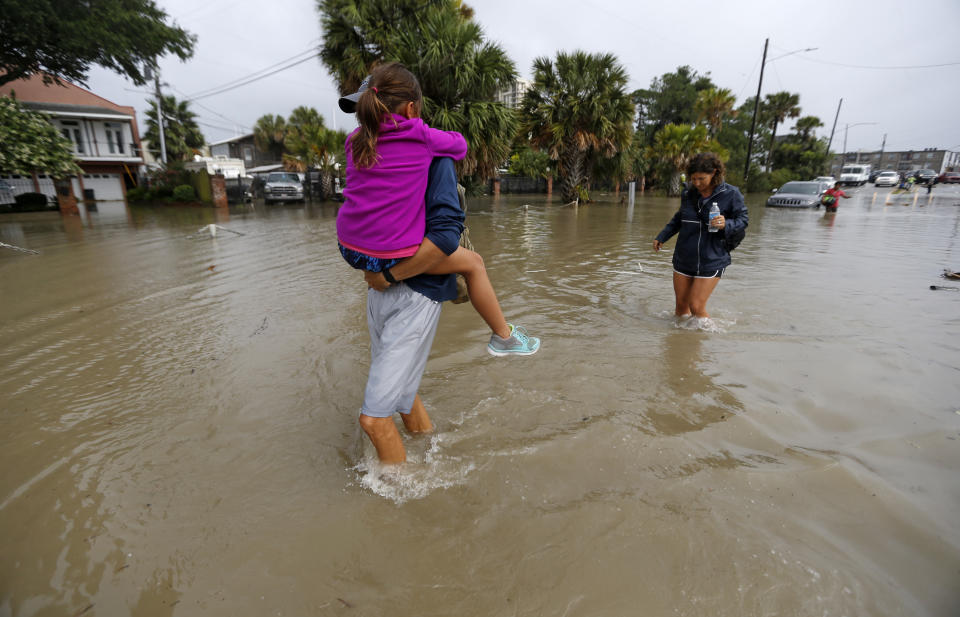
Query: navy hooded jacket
pixel 444 226
pixel 698 250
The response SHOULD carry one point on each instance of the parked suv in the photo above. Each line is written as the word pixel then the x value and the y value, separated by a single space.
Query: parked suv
pixel 282 186
pixel 949 177
pixel 922 176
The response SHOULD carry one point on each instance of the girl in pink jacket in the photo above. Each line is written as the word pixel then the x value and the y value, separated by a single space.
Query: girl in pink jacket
pixel 382 219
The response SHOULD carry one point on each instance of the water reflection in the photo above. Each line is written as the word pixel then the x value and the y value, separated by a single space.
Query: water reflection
pixel 692 400
pixel 177 408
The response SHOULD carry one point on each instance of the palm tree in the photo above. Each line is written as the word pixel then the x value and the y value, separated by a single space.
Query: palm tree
pixel 712 106
pixel 674 146
pixel 311 144
pixel 459 72
pixel 777 107
pixel 577 107
pixel 805 127
pixel 181 135
pixel 269 133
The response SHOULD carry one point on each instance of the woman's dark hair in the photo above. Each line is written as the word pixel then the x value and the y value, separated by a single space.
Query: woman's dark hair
pixel 707 163
pixel 391 86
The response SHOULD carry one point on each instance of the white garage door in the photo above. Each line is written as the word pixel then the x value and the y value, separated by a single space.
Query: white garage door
pixel 106 187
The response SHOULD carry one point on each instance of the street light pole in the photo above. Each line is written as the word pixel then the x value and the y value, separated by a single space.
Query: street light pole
pixel 845 129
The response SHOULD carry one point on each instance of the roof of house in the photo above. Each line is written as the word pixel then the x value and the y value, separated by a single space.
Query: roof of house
pixel 77 109
pixel 33 90
pixel 232 139
pixel 64 96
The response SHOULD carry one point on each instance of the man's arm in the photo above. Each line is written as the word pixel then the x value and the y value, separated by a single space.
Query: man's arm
pixel 444 226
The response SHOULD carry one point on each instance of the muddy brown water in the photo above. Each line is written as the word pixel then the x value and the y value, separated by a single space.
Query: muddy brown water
pixel 179 431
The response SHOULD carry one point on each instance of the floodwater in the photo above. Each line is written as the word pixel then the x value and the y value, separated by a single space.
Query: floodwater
pixel 179 429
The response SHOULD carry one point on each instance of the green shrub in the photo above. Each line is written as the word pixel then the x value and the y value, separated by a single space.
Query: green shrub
pixel 139 193
pixel 184 192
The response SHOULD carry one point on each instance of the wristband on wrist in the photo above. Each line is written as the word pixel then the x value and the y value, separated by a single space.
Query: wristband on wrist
pixel 389 277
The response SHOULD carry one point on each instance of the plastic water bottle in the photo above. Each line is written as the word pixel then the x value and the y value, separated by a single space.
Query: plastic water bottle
pixel 714 211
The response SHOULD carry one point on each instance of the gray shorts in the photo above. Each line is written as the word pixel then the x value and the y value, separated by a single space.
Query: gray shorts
pixel 402 324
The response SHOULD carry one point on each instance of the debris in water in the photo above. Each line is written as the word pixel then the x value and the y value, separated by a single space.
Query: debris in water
pixel 263 326
pixel 17 248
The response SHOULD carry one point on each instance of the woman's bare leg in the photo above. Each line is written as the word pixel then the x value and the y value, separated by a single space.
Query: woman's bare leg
pixel 681 291
pixel 699 293
pixel 482 296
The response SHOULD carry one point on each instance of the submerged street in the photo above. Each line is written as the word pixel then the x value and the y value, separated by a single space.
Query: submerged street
pixel 181 436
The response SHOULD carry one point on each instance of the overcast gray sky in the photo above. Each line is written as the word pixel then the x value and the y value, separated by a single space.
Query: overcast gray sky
pixel 915 108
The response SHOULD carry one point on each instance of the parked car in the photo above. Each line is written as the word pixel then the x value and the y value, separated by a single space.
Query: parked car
pixel 949 177
pixel 6 193
pixel 922 176
pixel 874 174
pixel 797 195
pixel 830 181
pixel 282 186
pixel 887 178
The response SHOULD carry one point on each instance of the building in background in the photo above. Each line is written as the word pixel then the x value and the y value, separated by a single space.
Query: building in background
pixel 106 142
pixel 243 148
pixel 902 161
pixel 512 95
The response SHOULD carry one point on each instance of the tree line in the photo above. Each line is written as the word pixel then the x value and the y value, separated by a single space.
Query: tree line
pixel 578 122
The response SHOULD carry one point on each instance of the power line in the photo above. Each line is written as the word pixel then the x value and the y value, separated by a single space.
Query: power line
pixel 250 81
pixel 227 85
pixel 891 68
pixel 239 124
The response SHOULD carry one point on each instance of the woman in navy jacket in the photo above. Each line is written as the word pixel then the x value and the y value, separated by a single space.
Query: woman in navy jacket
pixel 701 256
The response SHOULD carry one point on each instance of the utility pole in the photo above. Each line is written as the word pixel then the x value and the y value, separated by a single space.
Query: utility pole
pixel 882 146
pixel 753 125
pixel 834 128
pixel 163 143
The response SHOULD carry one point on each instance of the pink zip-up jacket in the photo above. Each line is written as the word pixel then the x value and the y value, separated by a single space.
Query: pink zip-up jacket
pixel 383 211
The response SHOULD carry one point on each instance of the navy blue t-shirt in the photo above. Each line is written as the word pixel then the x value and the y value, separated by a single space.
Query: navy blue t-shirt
pixel 444 226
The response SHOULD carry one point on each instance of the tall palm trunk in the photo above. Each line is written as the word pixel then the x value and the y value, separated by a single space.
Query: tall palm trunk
pixel 676 185
pixel 574 176
pixel 326 184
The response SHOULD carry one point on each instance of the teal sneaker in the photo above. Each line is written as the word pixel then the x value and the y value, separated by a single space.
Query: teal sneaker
pixel 519 343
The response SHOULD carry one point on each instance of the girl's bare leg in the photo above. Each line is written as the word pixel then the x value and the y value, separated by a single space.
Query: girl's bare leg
pixel 482 296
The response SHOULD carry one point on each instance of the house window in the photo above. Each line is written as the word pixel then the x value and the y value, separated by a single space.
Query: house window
pixel 247 154
pixel 114 137
pixel 71 130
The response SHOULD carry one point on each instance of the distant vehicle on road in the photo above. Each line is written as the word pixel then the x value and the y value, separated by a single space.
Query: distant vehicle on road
pixel 797 195
pixel 282 186
pixel 830 181
pixel 854 175
pixel 887 178
pixel 949 177
pixel 923 176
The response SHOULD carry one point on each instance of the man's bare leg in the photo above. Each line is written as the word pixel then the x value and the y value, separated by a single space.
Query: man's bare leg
pixel 385 437
pixel 417 421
